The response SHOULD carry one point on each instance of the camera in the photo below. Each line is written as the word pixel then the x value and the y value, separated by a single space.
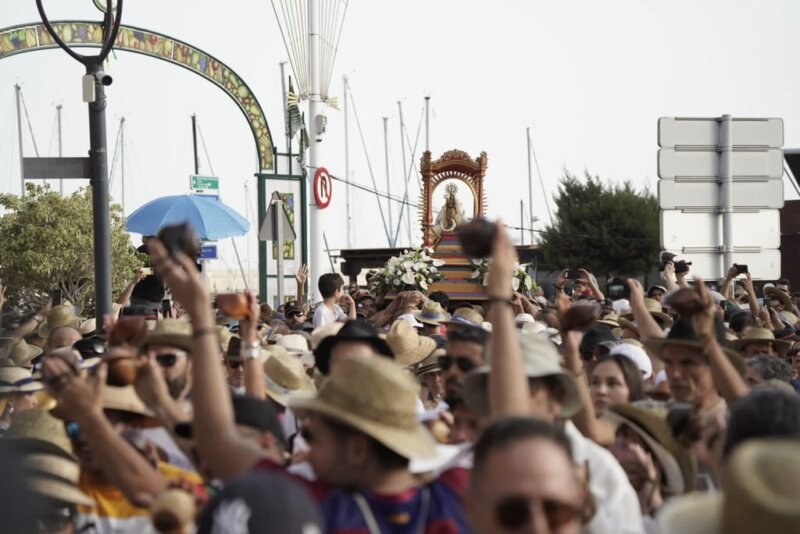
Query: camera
pixel 103 78
pixel 617 289
pixel 681 266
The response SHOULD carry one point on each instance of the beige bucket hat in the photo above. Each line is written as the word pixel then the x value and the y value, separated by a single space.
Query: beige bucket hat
pixel 432 313
pixel 377 397
pixel 15 380
pixel 760 491
pixel 37 430
pixel 172 332
pixel 465 317
pixel 756 334
pixel 408 346
pixel 539 359
pixel 58 316
pixel 285 375
pixel 22 354
pixel 429 364
pixel 55 477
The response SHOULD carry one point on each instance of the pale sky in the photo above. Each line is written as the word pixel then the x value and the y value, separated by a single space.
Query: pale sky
pixel 591 78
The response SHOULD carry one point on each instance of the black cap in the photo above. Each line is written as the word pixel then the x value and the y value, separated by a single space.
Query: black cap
pixel 597 334
pixel 356 330
pixel 261 502
pixel 250 412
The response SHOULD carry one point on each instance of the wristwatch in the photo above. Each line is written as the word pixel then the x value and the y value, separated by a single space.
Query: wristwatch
pixel 250 352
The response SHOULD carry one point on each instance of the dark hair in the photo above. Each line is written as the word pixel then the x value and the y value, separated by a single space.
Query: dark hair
pixel 386 458
pixel 740 320
pixel 784 282
pixel 329 283
pixel 770 367
pixel 762 414
pixel 630 372
pixel 467 334
pixel 440 297
pixel 507 431
pixel 149 289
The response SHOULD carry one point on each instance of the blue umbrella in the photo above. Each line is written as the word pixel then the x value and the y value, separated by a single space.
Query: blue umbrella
pixel 210 218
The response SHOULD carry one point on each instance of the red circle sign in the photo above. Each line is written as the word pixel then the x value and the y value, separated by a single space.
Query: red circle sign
pixel 322 187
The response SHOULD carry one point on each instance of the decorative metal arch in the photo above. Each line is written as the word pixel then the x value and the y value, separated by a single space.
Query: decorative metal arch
pixel 453 165
pixel 31 37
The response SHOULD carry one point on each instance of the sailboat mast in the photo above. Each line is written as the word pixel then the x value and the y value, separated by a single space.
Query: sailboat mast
pixel 194 144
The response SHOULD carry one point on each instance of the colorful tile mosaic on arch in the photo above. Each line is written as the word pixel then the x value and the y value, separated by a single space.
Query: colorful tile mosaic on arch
pixel 20 39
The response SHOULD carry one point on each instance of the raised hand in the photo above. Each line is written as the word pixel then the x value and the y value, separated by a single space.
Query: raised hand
pixel 504 259
pixel 77 397
pixel 180 275
pixel 704 321
pixel 301 275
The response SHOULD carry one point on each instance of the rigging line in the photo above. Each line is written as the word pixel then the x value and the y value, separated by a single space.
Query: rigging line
pixel 375 192
pixel 338 38
pixel 290 39
pixel 541 182
pixel 52 134
pixel 790 175
pixel 30 128
pixel 369 164
pixel 286 42
pixel 408 177
pixel 205 150
pixel 295 22
pixel 114 159
pixel 408 143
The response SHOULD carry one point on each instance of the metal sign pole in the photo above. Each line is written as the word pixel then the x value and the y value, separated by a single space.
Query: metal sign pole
pixel 277 205
pixel 726 190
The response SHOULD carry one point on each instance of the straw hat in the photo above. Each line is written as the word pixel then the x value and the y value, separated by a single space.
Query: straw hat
pixel 655 310
pixel 625 324
pixel 760 489
pixel 377 397
pixel 465 317
pixel 224 335
pixel 432 313
pixel 285 375
pixel 408 346
pixel 650 424
pixel 14 380
pixel 124 399
pixel 87 327
pixel 170 332
pixel 22 354
pixel 756 334
pixel 58 316
pixel 777 294
pixel 294 344
pixel 37 430
pixel 524 318
pixel 539 359
pixel 430 364
pixel 682 334
pixel 55 477
pixel 319 334
pixel 611 320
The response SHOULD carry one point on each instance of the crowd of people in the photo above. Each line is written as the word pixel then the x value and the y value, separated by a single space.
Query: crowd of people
pixel 671 409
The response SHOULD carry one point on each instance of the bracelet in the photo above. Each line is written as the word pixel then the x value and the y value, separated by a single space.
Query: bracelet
pixel 501 300
pixel 560 288
pixel 200 332
pixel 252 352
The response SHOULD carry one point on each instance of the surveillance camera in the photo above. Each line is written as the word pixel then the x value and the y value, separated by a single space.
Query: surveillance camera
pixel 103 78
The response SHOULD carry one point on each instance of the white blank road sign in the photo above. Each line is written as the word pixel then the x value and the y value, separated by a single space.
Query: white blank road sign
pixel 690 194
pixel 763 265
pixel 695 132
pixel 705 164
pixel 681 230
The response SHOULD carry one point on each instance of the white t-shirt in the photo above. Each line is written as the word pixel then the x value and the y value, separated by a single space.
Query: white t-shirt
pixel 323 315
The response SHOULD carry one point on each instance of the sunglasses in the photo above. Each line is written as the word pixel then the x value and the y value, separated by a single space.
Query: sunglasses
pixel 90 348
pixel 167 360
pixel 233 364
pixel 513 513
pixel 464 364
pixel 294 314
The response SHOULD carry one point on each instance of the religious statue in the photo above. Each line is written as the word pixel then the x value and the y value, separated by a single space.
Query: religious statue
pixel 450 216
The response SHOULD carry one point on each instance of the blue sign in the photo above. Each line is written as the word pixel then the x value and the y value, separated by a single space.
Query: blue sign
pixel 208 252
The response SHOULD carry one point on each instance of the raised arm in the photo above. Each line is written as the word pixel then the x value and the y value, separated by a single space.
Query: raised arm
pixel 300 277
pixel 648 327
pixel 30 326
pixel 253 372
pixel 508 387
pixel 222 449
pixel 668 275
pixel 727 283
pixel 591 283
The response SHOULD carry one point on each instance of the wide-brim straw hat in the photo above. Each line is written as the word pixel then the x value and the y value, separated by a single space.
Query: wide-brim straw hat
pixel 125 399
pixel 465 317
pixel 408 346
pixel 650 424
pixel 15 380
pixel 56 478
pixel 430 364
pixel 656 311
pixel 285 375
pixel 377 397
pixel 756 334
pixel 294 344
pixel 760 488
pixel 35 430
pixel 432 313
pixel 682 334
pixel 170 332
pixel 23 354
pixel 625 324
pixel 58 316
pixel 775 293
pixel 539 359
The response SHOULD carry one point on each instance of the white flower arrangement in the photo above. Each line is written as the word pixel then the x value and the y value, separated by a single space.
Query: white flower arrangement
pixel 521 282
pixel 414 270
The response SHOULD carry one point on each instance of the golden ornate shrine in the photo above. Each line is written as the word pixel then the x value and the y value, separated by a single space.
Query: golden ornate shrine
pixel 453 165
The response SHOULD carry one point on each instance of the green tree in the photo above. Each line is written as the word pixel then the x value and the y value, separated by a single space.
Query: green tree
pixel 46 243
pixel 609 229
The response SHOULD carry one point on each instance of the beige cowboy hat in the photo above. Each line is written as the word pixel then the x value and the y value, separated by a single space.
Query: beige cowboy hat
pixel 319 334
pixel 22 354
pixel 432 313
pixel 625 324
pixel 37 430
pixel 539 359
pixel 430 364
pixel 760 489
pixel 466 317
pixel 611 320
pixel 285 375
pixel 775 293
pixel 655 310
pixel 408 347
pixel 650 424
pixel 56 478
pixel 757 334
pixel 58 316
pixel 377 397
pixel 125 399
pixel 15 380
pixel 170 332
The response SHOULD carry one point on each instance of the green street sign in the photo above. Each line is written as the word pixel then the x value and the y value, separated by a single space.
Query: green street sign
pixel 204 183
